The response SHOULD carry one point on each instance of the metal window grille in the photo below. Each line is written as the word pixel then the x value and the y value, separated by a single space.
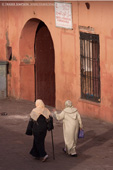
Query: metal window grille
pixel 90 66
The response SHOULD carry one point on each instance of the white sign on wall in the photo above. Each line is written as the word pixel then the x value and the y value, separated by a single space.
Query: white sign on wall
pixel 63 15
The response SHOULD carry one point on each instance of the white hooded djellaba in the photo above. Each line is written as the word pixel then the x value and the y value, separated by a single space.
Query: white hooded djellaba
pixel 71 124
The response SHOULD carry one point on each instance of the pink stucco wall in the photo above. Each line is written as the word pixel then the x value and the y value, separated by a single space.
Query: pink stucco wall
pixel 97 20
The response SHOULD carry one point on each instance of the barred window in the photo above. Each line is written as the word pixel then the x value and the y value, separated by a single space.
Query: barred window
pixel 90 66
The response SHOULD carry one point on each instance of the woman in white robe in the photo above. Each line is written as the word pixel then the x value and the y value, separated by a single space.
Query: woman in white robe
pixel 71 124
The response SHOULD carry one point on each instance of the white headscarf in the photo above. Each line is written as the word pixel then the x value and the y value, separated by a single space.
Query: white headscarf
pixel 39 110
pixel 69 107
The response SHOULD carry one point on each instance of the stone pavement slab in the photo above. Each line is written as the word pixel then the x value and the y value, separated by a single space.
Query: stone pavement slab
pixel 95 151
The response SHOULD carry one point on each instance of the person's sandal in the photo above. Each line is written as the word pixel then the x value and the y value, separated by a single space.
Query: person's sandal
pixel 74 155
pixel 45 158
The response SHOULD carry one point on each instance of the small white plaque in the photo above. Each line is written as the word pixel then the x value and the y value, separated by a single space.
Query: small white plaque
pixel 63 15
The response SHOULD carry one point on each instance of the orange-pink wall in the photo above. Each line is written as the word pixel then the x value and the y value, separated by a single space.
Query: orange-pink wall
pixel 97 20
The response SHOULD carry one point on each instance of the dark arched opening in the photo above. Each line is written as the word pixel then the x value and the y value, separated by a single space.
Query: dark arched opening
pixel 44 65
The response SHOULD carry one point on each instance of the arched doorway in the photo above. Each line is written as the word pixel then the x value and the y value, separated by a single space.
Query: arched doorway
pixel 44 65
pixel 37 76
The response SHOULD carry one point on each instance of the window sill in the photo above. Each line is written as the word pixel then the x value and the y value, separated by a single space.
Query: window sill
pixel 89 102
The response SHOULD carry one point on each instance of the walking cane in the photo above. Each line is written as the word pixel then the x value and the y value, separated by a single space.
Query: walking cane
pixel 52 144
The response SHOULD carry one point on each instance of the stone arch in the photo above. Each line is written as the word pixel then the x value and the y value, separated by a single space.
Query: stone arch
pixel 28 58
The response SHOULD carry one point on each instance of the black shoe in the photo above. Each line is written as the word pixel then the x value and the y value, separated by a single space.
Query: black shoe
pixel 75 155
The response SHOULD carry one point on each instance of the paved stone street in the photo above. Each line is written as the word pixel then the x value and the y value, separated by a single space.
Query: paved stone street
pixel 95 151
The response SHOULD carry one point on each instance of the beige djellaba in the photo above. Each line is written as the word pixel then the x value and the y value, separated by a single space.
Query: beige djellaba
pixel 71 124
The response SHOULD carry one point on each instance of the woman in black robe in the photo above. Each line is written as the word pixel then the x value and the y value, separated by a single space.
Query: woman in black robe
pixel 38 126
